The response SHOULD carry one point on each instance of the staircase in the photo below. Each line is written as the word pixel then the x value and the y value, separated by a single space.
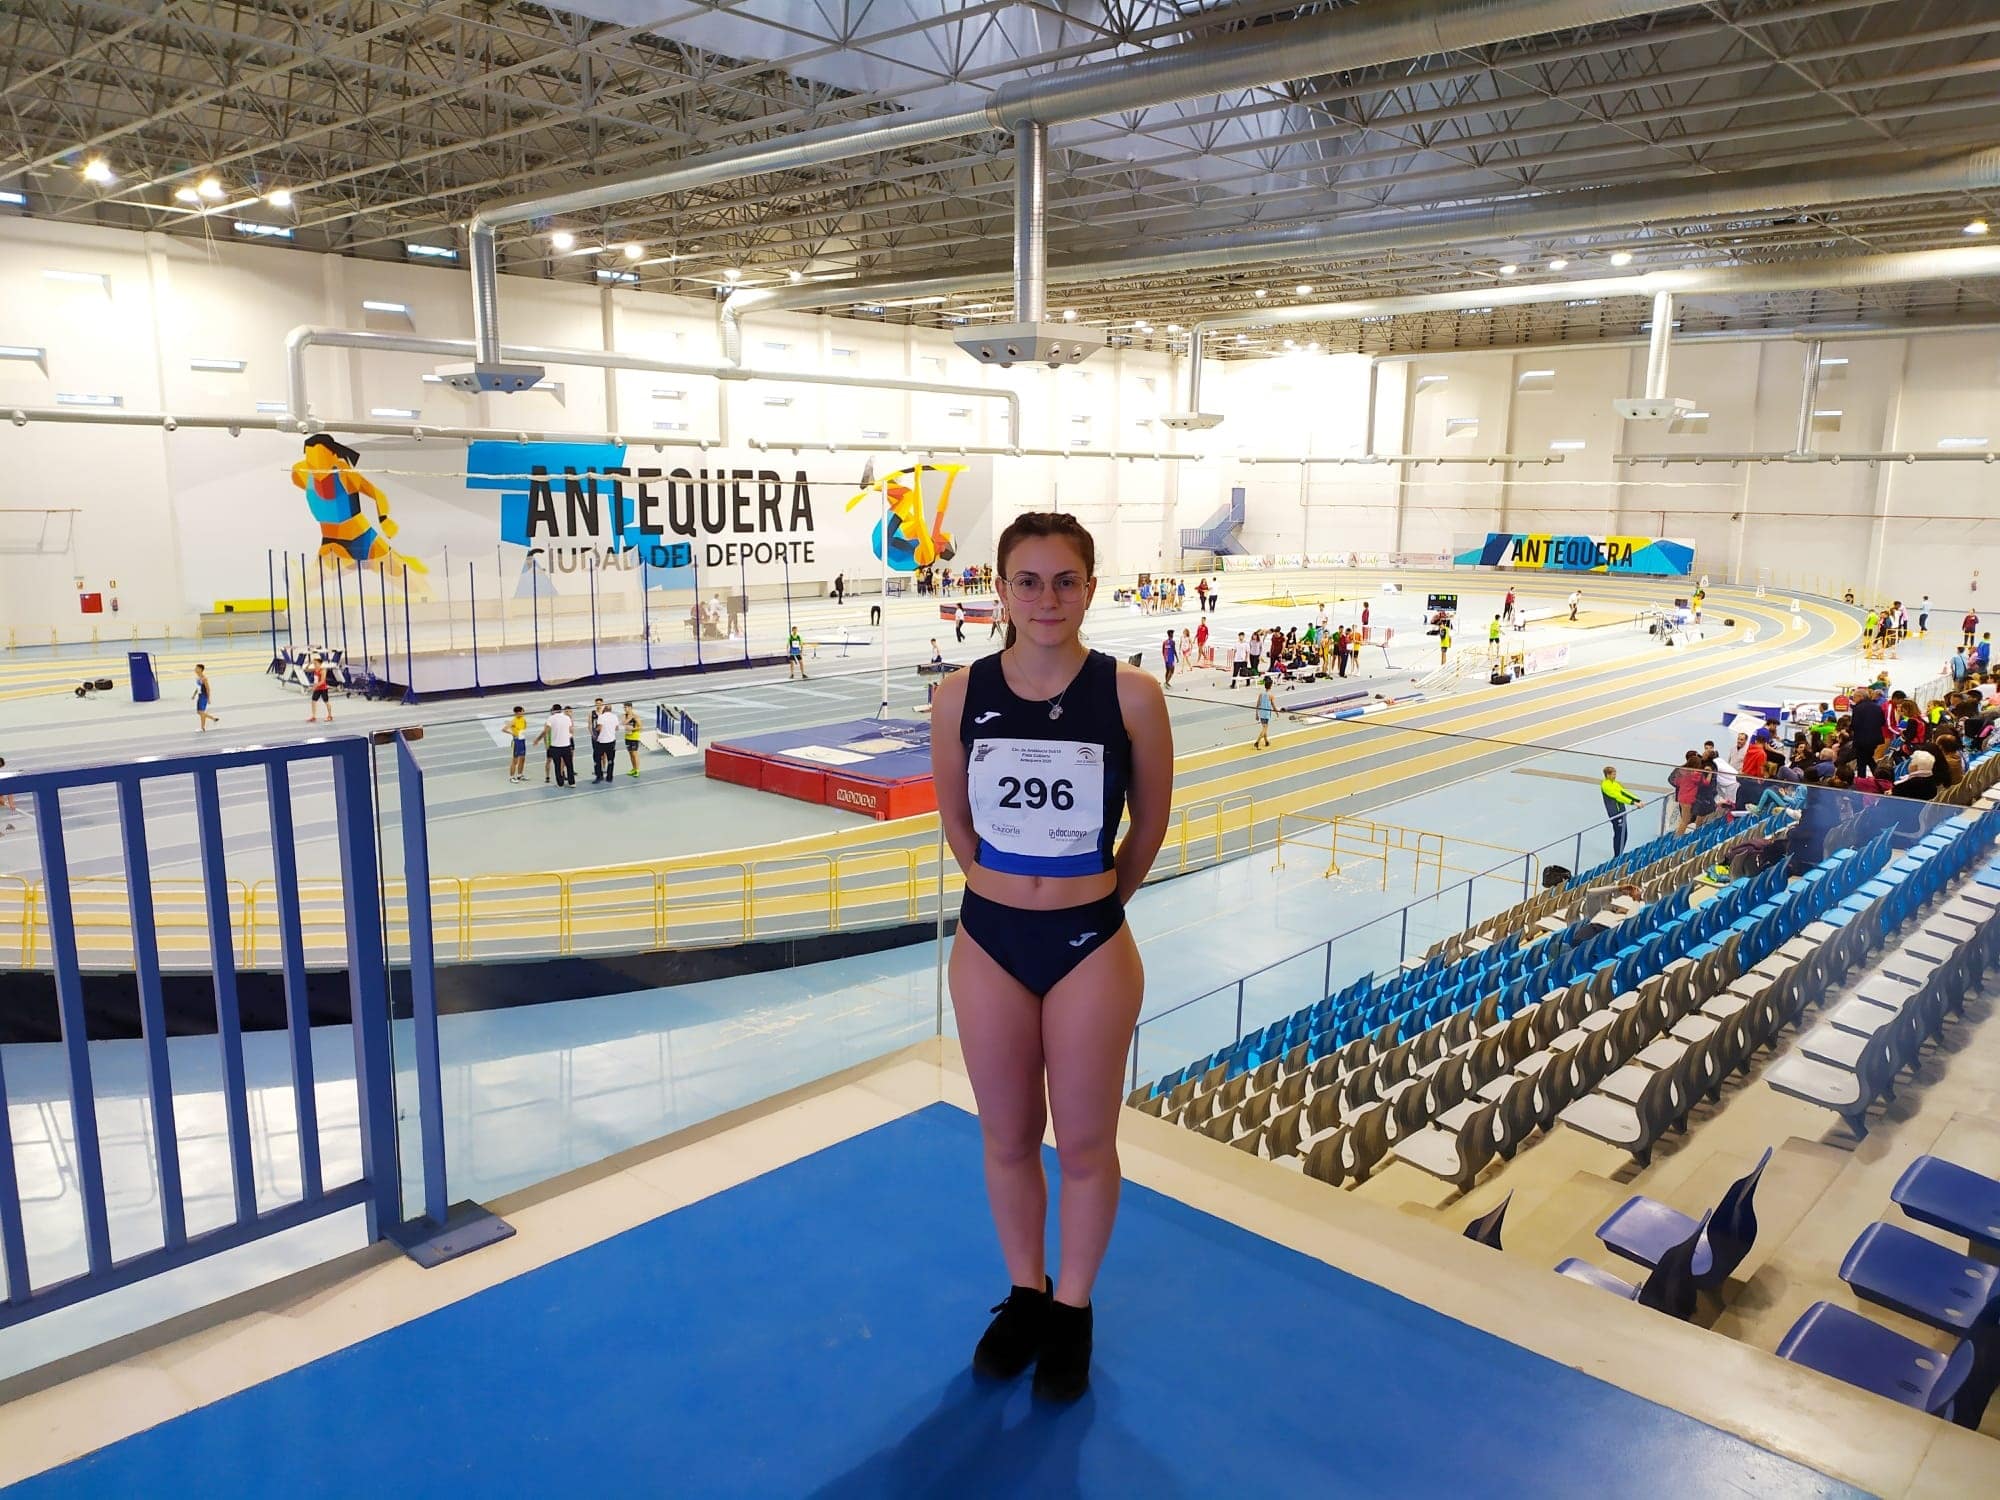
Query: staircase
pixel 1220 534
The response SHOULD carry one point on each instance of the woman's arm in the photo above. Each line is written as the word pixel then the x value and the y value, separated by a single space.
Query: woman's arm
pixel 948 770
pixel 1151 794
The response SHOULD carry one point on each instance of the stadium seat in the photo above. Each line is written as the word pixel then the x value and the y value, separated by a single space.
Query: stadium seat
pixel 1669 1287
pixel 1643 1229
pixel 1831 1339
pixel 1486 1228
pixel 1953 1198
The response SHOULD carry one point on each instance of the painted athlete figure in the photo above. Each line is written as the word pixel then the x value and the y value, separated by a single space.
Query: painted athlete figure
pixel 1053 740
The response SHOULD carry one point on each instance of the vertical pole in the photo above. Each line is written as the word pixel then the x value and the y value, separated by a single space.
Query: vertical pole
pixel 271 597
pixel 939 965
pixel 535 614
pixel 646 607
pixel 367 985
pixel 382 579
pixel 1239 1010
pixel 1403 941
pixel 1526 874
pixel 423 980
pixel 325 630
pixel 1468 903
pixel 472 592
pixel 882 709
pixel 290 638
pixel 1808 396
pixel 409 652
pixel 1031 245
pixel 694 618
pixel 592 573
pixel 1326 982
pixel 340 579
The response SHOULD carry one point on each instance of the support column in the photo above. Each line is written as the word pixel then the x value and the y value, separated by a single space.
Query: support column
pixel 1808 397
pixel 1885 483
pixel 1031 243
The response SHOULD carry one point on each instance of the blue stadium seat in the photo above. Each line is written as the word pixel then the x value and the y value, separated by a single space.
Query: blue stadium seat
pixel 1668 1288
pixel 1831 1339
pixel 1955 1199
pixel 1486 1228
pixel 1643 1229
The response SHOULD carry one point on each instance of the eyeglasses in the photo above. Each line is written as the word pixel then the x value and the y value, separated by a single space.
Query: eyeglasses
pixel 1028 587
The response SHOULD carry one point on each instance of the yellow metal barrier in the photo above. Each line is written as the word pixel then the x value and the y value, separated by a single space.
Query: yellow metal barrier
pixel 790 866
pixel 602 904
pixel 708 895
pixel 857 863
pixel 529 914
pixel 1217 811
pixel 17 912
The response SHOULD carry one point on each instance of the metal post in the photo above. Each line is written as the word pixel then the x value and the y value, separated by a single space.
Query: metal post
pixel 939 964
pixel 472 589
pixel 1659 347
pixel 645 608
pixel 535 614
pixel 1468 903
pixel 290 638
pixel 1239 1010
pixel 409 652
pixel 694 561
pixel 361 598
pixel 1576 859
pixel 1527 874
pixel 1326 981
pixel 1134 1084
pixel 594 673
pixel 368 990
pixel 423 980
pixel 450 624
pixel 1403 941
pixel 382 580
pixel 271 598
pixel 326 630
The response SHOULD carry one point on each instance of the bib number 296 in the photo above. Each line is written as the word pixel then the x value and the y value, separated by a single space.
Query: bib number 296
pixel 1035 792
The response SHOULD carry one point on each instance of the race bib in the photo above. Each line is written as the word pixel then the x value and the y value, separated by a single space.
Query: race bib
pixel 1037 799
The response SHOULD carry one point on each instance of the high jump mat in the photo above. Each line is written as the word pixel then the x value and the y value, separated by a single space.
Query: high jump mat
pixel 880 768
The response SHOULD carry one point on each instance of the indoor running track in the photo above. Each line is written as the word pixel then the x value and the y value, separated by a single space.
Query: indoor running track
pixel 806 1333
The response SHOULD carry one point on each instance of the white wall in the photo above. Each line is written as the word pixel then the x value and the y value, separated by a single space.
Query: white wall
pixel 179 520
pixel 1897 530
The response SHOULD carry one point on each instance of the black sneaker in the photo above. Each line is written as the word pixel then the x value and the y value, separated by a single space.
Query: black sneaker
pixel 1063 1372
pixel 1014 1337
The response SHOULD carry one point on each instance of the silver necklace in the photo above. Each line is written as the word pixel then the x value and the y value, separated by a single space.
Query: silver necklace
pixel 1055 703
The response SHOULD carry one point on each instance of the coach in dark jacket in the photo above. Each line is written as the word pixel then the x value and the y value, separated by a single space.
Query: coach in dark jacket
pixel 1868 725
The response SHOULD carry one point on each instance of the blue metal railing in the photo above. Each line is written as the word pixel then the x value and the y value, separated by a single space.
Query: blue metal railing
pixel 377 1187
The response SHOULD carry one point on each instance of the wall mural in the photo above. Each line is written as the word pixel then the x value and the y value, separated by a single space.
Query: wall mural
pixel 335 492
pixel 914 543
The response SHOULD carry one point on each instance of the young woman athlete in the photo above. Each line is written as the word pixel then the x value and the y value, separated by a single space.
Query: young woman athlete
pixel 1052 743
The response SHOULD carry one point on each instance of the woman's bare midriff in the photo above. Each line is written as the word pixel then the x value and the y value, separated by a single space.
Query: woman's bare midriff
pixel 1039 892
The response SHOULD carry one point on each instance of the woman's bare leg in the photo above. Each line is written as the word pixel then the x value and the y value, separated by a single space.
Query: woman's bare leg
pixel 1087 1022
pixel 1000 1033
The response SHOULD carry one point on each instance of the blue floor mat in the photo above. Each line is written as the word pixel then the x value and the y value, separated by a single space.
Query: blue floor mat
pixel 807 1333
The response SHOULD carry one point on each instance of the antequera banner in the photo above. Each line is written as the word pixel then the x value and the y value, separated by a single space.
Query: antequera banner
pixel 1645 556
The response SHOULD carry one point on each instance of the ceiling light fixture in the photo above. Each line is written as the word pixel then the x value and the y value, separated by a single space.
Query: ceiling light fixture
pixel 1509 270
pixel 1558 264
pixel 1303 289
pixel 732 274
pixel 1977 226
pixel 562 239
pixel 1260 294
pixel 186 195
pixel 279 197
pixel 795 277
pixel 1621 257
pixel 633 252
pixel 99 171
pixel 1069 315
pixel 210 188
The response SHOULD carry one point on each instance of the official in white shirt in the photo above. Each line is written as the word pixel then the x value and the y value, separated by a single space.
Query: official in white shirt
pixel 604 744
pixel 560 730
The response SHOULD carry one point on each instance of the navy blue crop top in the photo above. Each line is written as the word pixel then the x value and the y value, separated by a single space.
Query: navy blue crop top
pixel 1046 778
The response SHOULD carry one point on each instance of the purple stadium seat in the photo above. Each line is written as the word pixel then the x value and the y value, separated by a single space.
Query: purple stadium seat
pixel 1669 1288
pixel 1955 1199
pixel 1860 1351
pixel 1644 1229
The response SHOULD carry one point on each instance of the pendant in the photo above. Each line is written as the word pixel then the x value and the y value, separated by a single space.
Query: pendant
pixel 1055 710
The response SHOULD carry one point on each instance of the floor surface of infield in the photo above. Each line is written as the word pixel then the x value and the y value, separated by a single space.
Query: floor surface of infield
pixel 807 1333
